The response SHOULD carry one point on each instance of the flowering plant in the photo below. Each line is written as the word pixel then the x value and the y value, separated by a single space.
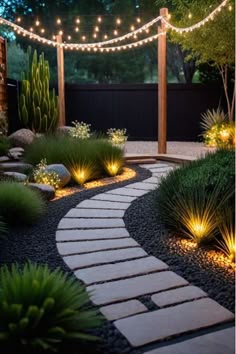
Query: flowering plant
pixel 81 130
pixel 117 136
pixel 41 175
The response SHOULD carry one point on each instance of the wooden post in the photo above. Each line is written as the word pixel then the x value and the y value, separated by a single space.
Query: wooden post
pixel 162 86
pixel 61 82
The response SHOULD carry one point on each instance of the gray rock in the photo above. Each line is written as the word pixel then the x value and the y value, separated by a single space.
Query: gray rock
pixel 16 176
pixel 47 192
pixel 4 159
pixel 16 150
pixel 22 138
pixel 15 167
pixel 62 172
pixel 65 130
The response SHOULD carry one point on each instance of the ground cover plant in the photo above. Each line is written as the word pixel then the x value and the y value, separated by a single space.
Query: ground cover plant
pixel 192 199
pixel 19 204
pixel 40 309
pixel 4 145
pixel 86 159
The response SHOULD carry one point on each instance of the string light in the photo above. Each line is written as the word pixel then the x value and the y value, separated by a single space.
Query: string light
pixel 58 21
pixel 96 29
pixel 42 30
pixel 76 29
pixel 138 19
pixel 99 19
pixel 230 8
pixel 101 46
pixel 115 33
pixel 190 16
pixel 18 19
pixel 118 21
pixel 132 28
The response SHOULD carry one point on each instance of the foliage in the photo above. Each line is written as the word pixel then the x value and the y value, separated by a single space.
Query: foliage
pixel 111 158
pixel 81 157
pixel 227 230
pixel 117 136
pixel 3 123
pixel 4 145
pixel 191 188
pixel 16 60
pixel 41 309
pixel 80 130
pixel 38 107
pixel 3 228
pixel 218 132
pixel 19 204
pixel 41 175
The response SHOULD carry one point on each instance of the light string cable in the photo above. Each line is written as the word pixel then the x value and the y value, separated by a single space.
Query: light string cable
pixel 20 30
pixel 198 24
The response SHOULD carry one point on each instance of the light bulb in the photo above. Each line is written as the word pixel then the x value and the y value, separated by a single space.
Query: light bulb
pixel 37 23
pixel 58 21
pixel 138 19
pixel 118 21
pixel 77 20
pixel 76 29
pixel 99 19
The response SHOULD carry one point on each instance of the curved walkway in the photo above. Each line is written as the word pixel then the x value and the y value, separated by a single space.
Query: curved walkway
pixel 94 243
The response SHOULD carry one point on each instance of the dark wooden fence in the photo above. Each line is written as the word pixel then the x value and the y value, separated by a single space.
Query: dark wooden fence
pixel 134 107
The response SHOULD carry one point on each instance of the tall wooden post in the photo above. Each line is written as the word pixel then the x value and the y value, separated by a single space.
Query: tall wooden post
pixel 61 82
pixel 162 86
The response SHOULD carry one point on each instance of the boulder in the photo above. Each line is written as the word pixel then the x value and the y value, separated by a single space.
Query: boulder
pixel 65 130
pixel 4 159
pixel 16 176
pixel 16 150
pixel 15 167
pixel 62 172
pixel 22 138
pixel 46 191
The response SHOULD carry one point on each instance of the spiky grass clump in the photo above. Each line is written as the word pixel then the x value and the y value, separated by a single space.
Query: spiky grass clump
pixel 19 204
pixel 41 309
pixel 213 117
pixel 227 230
pixel 3 228
pixel 111 158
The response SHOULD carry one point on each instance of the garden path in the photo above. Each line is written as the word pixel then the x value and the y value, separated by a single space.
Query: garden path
pixel 94 243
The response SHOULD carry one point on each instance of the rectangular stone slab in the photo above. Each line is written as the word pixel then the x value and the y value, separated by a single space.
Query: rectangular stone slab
pixel 90 259
pixel 120 270
pixel 123 309
pixel 219 342
pixel 142 186
pixel 134 287
pixel 152 180
pixel 94 213
pixel 95 234
pixel 97 204
pixel 178 295
pixel 79 223
pixel 154 165
pixel 66 248
pixel 128 191
pixel 161 170
pixel 158 325
pixel 114 198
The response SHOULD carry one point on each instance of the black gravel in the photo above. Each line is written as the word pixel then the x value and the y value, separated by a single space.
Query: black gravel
pixel 144 225
pixel 37 243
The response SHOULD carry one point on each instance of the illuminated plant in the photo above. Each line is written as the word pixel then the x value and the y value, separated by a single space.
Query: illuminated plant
pixel 227 230
pixel 111 158
pixel 41 175
pixel 82 172
pixel 117 136
pixel 40 309
pixel 80 130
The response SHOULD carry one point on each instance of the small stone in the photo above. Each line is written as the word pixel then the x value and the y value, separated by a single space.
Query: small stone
pixel 69 223
pixel 123 309
pixel 178 295
pixel 62 172
pixel 47 192
pixel 95 234
pixel 22 138
pixel 4 159
pixel 16 176
pixel 67 248
pixel 15 167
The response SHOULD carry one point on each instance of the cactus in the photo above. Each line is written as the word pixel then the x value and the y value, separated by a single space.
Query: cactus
pixel 38 107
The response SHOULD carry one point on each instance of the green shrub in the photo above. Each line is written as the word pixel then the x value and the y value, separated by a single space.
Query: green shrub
pixel 83 158
pixel 19 204
pixel 206 182
pixel 111 158
pixel 41 175
pixel 41 309
pixel 3 228
pixel 4 145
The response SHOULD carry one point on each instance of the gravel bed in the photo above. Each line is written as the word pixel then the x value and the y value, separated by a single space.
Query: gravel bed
pixel 194 264
pixel 37 243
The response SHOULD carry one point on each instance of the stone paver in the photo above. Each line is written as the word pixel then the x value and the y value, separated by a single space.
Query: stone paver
pixel 153 326
pixel 120 270
pixel 143 186
pixel 133 287
pixel 66 248
pixel 94 213
pixel 114 198
pixel 69 223
pixel 152 180
pixel 87 235
pixel 89 259
pixel 150 166
pixel 178 295
pixel 162 170
pixel 97 204
pixel 128 191
pixel 220 342
pixel 123 309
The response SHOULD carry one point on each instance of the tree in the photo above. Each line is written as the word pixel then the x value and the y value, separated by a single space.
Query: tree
pixel 214 43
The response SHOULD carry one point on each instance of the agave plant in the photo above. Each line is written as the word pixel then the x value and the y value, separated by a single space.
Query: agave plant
pixel 213 117
pixel 40 309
